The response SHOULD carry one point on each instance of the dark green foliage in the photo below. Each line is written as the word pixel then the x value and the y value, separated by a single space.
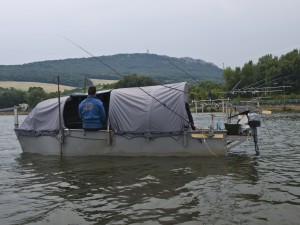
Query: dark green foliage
pixel 72 71
pixel 202 90
pixel 34 95
pixel 269 71
pixel 11 97
pixel 159 70
pixel 134 81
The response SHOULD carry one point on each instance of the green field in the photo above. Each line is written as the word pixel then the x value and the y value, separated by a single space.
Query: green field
pixel 24 86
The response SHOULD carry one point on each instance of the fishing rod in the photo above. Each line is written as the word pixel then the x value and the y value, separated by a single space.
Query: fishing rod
pixel 257 82
pixel 280 78
pixel 97 58
pixel 235 86
pixel 105 64
pixel 176 66
pixel 121 75
pixel 264 88
pixel 271 81
pixel 174 89
pixel 183 71
pixel 261 88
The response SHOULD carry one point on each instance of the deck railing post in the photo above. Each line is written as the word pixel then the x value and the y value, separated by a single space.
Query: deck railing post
pixel 16 117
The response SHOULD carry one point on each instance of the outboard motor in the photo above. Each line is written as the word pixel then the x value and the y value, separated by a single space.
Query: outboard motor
pixel 254 122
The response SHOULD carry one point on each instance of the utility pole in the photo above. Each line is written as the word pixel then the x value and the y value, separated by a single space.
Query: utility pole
pixel 61 131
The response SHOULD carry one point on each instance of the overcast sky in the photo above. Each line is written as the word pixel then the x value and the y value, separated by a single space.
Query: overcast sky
pixel 218 31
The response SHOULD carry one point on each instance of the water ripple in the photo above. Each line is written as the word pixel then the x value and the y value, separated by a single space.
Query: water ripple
pixel 238 189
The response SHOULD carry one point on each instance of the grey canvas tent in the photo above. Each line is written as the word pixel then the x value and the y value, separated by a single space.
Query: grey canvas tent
pixel 155 109
pixel 44 117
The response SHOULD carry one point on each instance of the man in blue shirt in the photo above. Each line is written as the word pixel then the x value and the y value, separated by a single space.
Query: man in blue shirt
pixel 91 111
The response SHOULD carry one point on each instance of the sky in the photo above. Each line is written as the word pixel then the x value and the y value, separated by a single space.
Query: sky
pixel 227 33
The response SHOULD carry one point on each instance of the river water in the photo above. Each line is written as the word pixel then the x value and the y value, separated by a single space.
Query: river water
pixel 240 188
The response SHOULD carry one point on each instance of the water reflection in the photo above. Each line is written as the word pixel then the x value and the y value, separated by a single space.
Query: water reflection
pixel 131 190
pixel 237 189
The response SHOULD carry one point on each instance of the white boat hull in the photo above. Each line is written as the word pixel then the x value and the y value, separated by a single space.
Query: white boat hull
pixel 78 142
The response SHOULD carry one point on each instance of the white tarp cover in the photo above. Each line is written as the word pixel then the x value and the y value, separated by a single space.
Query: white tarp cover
pixel 45 116
pixel 133 110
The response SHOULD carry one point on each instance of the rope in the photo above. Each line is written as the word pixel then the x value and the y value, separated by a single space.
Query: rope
pixel 209 148
pixel 269 132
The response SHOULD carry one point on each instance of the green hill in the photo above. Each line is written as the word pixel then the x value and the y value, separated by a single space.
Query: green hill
pixel 72 71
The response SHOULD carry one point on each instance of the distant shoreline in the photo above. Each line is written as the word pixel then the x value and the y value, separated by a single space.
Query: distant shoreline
pixel 282 108
pixel 273 108
pixel 12 113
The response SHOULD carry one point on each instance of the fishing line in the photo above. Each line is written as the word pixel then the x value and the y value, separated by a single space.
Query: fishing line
pixel 175 89
pixel 121 75
pixel 257 82
pixel 118 73
pixel 97 58
pixel 186 72
pixel 183 71
pixel 199 84
pixel 285 76
pixel 269 132
pixel 249 87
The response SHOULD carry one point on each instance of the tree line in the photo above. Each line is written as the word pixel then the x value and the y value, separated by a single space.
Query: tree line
pixel 268 71
pixel 11 97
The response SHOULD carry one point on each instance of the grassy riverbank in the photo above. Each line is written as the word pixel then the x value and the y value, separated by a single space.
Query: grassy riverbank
pixel 12 113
